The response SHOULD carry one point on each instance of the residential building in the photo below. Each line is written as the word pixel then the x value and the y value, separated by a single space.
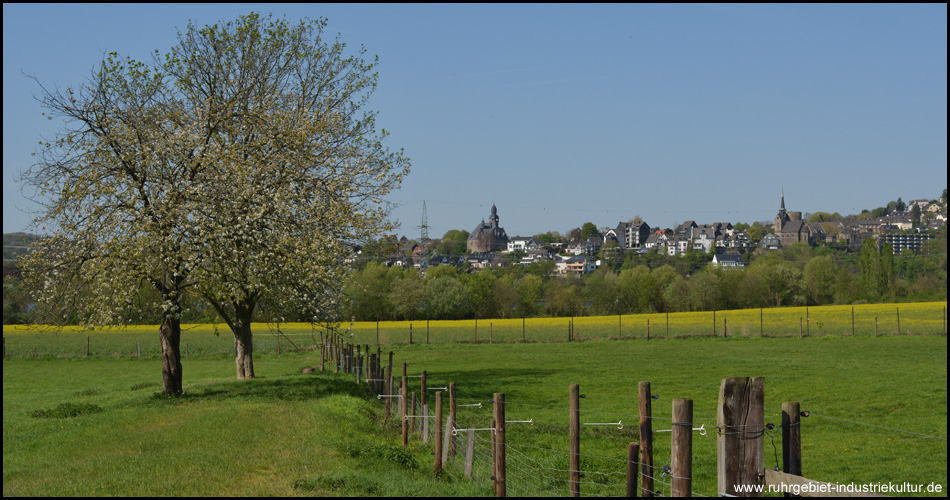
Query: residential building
pixel 728 261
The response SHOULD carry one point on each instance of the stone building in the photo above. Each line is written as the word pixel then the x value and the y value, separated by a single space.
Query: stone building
pixel 488 237
pixel 790 228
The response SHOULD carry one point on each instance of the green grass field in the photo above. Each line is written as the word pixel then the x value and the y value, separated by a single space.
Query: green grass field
pixel 879 409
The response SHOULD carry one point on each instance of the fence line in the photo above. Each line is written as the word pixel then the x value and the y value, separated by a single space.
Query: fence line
pixel 862 320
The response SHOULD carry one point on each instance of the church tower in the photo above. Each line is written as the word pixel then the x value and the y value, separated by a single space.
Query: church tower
pixel 782 217
pixel 493 219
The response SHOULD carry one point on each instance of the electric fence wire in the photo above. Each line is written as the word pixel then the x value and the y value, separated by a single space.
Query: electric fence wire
pixel 879 427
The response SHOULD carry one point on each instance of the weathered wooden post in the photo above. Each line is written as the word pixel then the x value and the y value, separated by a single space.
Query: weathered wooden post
pixel 438 433
pixel 714 323
pixel 648 328
pixel 761 327
pixel 469 452
pixel 452 416
pixel 791 439
pixel 740 446
pixel 524 337
pixel 898 320
pixel 499 412
pixel 875 326
pixel 681 462
pixel 574 431
pixel 725 329
pixel 852 321
pixel 410 333
pixel 138 350
pixel 491 333
pixel 403 405
pixel 422 393
pixel 413 423
pixel 646 439
pixel 389 390
pixel 633 452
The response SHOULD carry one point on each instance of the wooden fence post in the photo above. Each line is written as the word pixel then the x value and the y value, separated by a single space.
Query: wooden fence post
pixel 648 328
pixel 633 451
pixel 403 405
pixel 413 423
pixel 740 445
pixel 852 321
pixel 138 350
pixel 667 324
pixel 469 452
pixel 438 433
pixel 491 333
pixel 500 479
pixel 725 331
pixel 714 323
pixel 875 326
pixel 681 462
pixel 410 333
pixel 791 439
pixel 423 394
pixel 389 390
pixel 574 428
pixel 646 439
pixel 761 328
pixel 524 338
pixel 898 320
pixel 452 416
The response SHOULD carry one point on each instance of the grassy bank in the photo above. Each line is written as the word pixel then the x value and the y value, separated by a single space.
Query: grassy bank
pixel 879 411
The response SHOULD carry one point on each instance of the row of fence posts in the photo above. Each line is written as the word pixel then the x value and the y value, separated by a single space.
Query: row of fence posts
pixel 328 342
pixel 740 427
pixel 804 325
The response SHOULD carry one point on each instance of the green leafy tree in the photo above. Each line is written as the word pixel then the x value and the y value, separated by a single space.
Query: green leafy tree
pixel 869 262
pixel 885 277
pixel 529 289
pixel 446 298
pixel 589 230
pixel 504 296
pixel 454 242
pixel 407 293
pixel 705 293
pixel 480 289
pixel 820 277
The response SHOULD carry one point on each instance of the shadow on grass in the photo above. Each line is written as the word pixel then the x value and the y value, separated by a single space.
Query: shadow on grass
pixel 308 387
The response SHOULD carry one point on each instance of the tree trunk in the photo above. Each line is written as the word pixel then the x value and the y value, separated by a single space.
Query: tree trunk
pixel 244 346
pixel 170 334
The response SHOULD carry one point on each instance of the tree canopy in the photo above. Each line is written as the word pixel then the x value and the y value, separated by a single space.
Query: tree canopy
pixel 241 164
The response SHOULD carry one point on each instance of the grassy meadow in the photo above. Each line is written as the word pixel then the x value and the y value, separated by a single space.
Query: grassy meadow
pixel 878 406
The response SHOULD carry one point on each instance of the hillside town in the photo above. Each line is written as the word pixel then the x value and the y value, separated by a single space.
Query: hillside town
pixel 904 226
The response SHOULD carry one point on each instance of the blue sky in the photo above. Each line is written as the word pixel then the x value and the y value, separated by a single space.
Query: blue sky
pixel 564 114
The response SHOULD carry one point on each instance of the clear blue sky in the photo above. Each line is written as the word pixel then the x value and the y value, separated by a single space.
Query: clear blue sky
pixel 563 114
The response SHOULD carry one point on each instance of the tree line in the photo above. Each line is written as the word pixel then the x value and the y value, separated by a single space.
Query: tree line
pixel 642 283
